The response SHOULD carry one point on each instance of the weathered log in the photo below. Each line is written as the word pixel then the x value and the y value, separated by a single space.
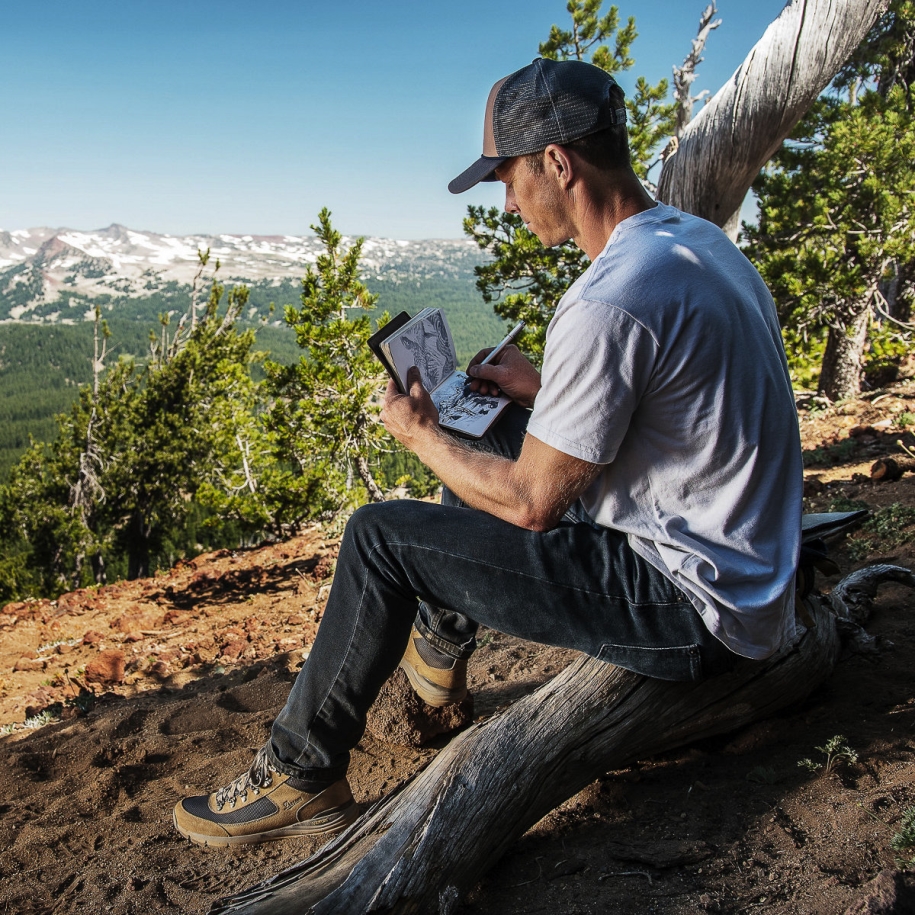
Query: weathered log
pixel 723 148
pixel 889 469
pixel 422 848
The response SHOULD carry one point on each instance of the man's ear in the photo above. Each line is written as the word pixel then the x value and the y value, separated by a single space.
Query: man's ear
pixel 559 164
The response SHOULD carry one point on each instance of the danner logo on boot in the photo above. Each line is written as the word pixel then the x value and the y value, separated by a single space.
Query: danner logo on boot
pixel 289 805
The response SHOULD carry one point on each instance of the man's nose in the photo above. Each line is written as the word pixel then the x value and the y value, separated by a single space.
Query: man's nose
pixel 510 205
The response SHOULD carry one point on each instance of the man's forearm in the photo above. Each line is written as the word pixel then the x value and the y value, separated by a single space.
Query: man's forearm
pixel 532 492
pixel 480 479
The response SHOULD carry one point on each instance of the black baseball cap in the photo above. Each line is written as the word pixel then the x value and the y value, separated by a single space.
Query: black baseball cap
pixel 548 101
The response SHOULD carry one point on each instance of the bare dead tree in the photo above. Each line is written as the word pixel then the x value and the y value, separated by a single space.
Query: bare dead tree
pixel 685 75
pixel 722 149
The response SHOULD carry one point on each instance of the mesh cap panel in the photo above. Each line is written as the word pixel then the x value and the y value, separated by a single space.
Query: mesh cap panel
pixel 551 102
pixel 548 101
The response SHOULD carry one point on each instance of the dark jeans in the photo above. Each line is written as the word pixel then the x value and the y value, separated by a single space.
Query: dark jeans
pixel 448 569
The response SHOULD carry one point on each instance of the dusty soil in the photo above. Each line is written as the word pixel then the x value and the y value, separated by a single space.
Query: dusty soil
pixel 162 687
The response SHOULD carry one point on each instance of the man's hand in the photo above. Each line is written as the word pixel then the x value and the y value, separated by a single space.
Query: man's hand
pixel 510 373
pixel 409 417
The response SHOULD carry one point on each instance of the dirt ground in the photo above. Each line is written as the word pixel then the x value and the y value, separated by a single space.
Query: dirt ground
pixel 158 688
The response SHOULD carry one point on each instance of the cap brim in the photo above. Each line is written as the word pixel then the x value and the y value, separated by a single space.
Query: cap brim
pixel 481 170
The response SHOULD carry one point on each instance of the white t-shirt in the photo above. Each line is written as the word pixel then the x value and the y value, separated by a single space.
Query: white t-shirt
pixel 664 362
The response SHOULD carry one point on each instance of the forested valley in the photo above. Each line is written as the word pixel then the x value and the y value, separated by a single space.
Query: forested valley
pixel 200 418
pixel 43 364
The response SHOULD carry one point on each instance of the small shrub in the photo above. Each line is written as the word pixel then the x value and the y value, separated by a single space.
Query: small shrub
pixel 844 504
pixel 41 719
pixel 903 842
pixel 888 528
pixel 830 455
pixel 836 751
pixel 763 775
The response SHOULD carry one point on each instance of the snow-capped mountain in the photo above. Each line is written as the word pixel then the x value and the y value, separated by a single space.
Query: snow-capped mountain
pixel 43 266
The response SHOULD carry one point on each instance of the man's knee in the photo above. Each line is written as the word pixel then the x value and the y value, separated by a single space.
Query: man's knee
pixel 379 522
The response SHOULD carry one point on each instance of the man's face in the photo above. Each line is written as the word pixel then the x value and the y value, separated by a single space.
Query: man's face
pixel 537 199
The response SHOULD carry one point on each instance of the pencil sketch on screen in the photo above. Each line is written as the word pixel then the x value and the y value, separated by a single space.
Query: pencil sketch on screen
pixel 467 411
pixel 427 345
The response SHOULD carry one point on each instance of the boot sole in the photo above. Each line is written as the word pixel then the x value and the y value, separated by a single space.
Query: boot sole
pixel 330 821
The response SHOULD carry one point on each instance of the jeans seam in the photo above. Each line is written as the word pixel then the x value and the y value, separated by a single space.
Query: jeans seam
pixel 332 681
pixel 568 587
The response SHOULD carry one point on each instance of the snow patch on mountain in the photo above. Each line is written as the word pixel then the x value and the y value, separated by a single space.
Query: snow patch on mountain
pixel 41 266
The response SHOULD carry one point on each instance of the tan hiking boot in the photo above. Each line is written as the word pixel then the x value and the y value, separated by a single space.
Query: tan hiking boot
pixel 263 805
pixel 437 678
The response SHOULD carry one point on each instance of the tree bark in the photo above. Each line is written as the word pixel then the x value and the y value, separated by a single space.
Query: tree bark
pixel 422 848
pixel 728 142
pixel 840 374
pixel 888 469
pixel 365 474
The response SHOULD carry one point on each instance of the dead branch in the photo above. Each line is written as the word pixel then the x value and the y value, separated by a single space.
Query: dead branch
pixel 685 75
pixel 723 148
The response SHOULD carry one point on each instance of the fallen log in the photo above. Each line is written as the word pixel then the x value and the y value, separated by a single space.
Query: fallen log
pixel 889 469
pixel 423 847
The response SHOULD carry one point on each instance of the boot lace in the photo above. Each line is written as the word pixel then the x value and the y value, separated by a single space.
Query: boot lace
pixel 257 777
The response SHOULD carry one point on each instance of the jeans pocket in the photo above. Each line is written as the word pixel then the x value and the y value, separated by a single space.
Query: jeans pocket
pixel 678 662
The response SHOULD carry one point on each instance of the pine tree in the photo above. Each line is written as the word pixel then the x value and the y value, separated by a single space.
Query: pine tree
pixel 836 234
pixel 323 416
pixel 118 485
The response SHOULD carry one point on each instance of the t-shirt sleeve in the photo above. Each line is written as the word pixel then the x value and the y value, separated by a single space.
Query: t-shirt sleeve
pixel 597 365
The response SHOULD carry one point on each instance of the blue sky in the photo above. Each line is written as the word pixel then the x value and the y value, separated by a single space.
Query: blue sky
pixel 183 116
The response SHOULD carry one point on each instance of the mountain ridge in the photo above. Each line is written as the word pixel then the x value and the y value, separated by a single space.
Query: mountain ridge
pixel 43 266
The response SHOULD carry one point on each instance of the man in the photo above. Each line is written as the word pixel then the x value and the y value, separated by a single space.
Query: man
pixel 641 501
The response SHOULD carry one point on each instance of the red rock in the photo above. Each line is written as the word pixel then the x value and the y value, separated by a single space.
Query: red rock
pixel 134 637
pixel 30 609
pixel 203 580
pixel 92 637
pixel 233 649
pixel 75 603
pixel 27 664
pixel 159 670
pixel 64 648
pixel 106 668
pixel 175 618
pixel 134 622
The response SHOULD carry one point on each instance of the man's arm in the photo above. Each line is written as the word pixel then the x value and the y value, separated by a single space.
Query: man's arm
pixel 532 492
